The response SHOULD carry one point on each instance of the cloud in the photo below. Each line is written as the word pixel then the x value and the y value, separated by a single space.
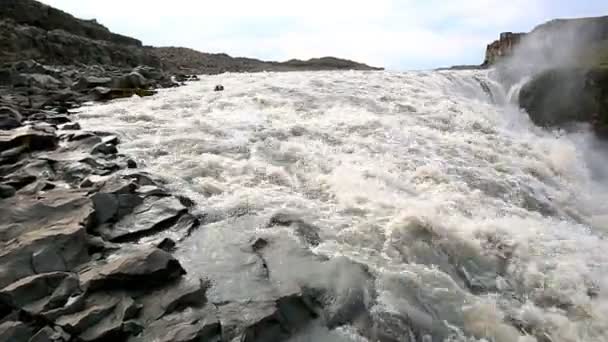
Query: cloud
pixel 398 34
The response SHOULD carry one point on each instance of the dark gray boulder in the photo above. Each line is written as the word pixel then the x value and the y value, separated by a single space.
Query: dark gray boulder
pixel 172 298
pixel 40 292
pixel 134 80
pixel 308 232
pixel 191 325
pixel 6 191
pixel 103 316
pixel 35 137
pixel 14 331
pixel 92 82
pixel 9 118
pixel 43 234
pixel 150 266
pixel 152 216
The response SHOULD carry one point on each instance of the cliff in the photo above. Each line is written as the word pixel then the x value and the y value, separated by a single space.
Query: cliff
pixel 502 48
pixel 34 13
pixel 567 63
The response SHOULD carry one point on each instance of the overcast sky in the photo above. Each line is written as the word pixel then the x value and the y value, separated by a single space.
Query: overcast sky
pixel 396 34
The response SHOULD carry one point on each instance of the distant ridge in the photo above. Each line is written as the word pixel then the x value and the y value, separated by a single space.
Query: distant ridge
pixel 32 30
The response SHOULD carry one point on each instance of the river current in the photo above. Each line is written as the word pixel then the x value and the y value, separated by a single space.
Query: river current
pixel 475 223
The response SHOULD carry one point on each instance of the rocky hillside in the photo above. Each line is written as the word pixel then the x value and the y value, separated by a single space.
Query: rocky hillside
pixel 189 61
pixel 30 30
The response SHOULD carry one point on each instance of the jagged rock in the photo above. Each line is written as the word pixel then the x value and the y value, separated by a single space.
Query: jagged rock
pixel 26 171
pixel 153 215
pixel 134 80
pixel 558 97
pixel 167 245
pixel 6 191
pixel 91 82
pixel 12 155
pixel 264 321
pixel 104 148
pixel 150 266
pixel 175 297
pixel 37 80
pixel 35 137
pixel 308 232
pixel 48 334
pixel 37 293
pixel 9 118
pixel 11 331
pixel 53 119
pixel 187 326
pixel 70 126
pixel 52 224
pixel 103 315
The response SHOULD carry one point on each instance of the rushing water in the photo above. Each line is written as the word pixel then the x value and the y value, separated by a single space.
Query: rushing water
pixel 455 201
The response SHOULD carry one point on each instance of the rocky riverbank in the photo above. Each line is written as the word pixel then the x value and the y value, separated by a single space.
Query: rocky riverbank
pixel 88 240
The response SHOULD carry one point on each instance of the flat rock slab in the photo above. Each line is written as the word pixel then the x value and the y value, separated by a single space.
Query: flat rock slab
pixel 43 234
pixel 135 269
pixel 36 137
pixel 187 326
pixel 153 215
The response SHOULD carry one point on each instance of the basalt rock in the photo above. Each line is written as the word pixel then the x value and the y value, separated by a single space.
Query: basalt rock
pixel 150 266
pixel 559 97
pixel 9 118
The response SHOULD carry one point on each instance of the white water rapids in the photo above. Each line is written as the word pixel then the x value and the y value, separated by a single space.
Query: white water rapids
pixel 453 198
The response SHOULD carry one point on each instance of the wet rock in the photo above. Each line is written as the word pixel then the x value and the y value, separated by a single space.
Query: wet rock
pixel 51 225
pixel 12 155
pixel 131 164
pixel 102 316
pixel 71 126
pixel 37 80
pixel 150 266
pixel 173 298
pixel 167 245
pixel 35 137
pixel 48 334
pixel 6 191
pixel 558 97
pixel 388 327
pixel 11 331
pixel 32 294
pixel 104 148
pixel 187 326
pixel 9 118
pixel 134 80
pixel 92 82
pixel 305 230
pixel 50 118
pixel 152 216
pixel 264 321
pixel 101 94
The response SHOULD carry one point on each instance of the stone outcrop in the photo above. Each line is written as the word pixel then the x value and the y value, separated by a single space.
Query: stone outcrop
pixel 502 48
pixel 558 97
pixel 34 13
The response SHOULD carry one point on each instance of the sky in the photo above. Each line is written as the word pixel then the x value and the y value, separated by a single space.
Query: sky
pixel 395 34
